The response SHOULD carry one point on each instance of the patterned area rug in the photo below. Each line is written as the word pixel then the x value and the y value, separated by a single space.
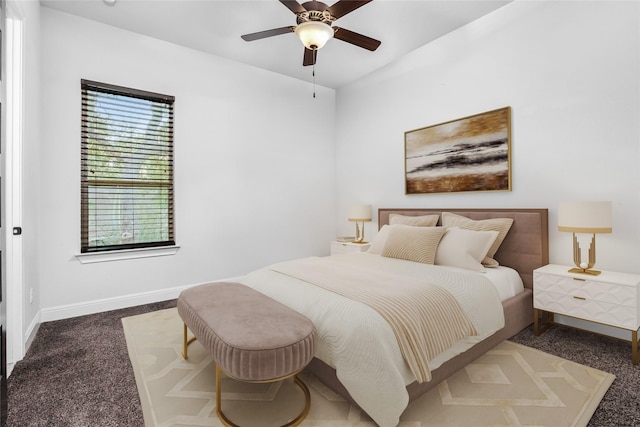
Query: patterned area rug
pixel 510 385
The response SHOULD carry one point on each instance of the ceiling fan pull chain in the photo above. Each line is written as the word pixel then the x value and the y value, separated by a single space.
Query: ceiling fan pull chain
pixel 313 73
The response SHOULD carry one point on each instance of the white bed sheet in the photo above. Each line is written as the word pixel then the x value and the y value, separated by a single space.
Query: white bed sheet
pixel 507 281
pixel 356 341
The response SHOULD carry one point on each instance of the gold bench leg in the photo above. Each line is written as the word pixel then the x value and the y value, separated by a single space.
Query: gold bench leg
pixel 296 421
pixel 186 342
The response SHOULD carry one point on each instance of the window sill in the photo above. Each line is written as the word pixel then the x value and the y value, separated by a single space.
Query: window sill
pixel 89 258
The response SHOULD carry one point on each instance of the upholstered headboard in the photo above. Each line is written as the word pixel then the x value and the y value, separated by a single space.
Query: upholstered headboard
pixel 526 246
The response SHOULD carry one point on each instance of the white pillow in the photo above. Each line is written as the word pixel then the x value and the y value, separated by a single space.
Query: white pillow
pixel 465 248
pixel 418 221
pixel 417 244
pixel 501 225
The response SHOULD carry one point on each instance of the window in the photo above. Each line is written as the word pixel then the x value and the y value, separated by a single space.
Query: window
pixel 127 168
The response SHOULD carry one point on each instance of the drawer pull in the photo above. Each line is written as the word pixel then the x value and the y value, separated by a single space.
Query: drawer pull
pixel 580 298
pixel 580 280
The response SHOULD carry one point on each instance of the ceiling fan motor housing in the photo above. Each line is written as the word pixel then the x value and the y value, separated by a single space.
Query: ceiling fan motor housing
pixel 315 15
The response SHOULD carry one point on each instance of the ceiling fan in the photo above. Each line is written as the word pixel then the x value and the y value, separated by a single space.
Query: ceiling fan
pixel 315 28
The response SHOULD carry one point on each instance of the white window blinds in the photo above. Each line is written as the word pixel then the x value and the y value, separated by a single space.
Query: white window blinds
pixel 127 168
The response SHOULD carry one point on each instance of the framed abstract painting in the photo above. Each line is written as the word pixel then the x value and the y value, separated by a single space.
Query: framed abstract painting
pixel 468 154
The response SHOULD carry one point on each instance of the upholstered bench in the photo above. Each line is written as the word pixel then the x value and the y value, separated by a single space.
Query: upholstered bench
pixel 250 336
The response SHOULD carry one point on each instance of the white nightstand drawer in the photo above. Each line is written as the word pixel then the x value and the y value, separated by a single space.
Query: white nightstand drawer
pixel 585 288
pixel 344 248
pixel 622 316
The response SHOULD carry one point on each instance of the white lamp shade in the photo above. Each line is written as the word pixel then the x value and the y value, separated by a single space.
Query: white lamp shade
pixel 314 34
pixel 585 217
pixel 360 213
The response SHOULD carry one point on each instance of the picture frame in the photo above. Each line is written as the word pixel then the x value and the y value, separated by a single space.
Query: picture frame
pixel 472 153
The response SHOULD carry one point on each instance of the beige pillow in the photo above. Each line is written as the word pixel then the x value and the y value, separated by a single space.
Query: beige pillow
pixel 464 248
pixel 418 221
pixel 410 243
pixel 377 245
pixel 501 225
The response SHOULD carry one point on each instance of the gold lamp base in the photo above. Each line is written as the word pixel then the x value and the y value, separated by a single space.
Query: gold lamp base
pixel 585 271
pixel 359 233
pixel 583 267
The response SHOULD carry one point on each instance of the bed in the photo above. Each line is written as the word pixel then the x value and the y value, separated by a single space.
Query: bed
pixel 366 368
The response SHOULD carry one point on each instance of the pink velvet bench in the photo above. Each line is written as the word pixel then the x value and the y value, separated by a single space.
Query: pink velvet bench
pixel 250 336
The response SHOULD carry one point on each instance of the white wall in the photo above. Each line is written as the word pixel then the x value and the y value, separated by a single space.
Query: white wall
pixel 569 70
pixel 255 183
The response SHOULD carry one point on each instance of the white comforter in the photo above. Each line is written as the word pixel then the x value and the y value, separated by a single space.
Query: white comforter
pixel 356 341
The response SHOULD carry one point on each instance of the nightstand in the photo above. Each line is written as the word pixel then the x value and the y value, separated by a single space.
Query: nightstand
pixel 344 248
pixel 610 298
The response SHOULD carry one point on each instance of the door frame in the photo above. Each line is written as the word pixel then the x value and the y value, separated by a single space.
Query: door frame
pixel 13 184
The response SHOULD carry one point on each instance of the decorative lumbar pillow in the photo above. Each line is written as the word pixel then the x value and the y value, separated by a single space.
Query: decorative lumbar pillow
pixel 410 243
pixel 501 225
pixel 418 221
pixel 464 248
pixel 377 245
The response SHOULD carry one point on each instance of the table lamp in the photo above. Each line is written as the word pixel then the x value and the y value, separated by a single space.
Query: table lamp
pixel 360 214
pixel 584 217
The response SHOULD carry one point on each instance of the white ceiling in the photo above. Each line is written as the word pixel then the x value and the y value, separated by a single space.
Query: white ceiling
pixel 215 26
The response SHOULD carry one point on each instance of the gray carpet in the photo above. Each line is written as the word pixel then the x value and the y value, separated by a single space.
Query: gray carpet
pixel 77 373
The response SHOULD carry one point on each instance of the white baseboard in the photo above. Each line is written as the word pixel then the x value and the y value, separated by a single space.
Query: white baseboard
pixel 99 306
pixel 115 303
pixel 32 330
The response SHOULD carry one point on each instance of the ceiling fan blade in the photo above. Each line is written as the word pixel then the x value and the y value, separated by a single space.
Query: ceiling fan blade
pixel 343 7
pixel 355 38
pixel 268 33
pixel 314 5
pixel 310 57
pixel 293 6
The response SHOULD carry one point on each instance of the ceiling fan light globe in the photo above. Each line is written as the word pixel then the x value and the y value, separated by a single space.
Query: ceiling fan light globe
pixel 314 34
